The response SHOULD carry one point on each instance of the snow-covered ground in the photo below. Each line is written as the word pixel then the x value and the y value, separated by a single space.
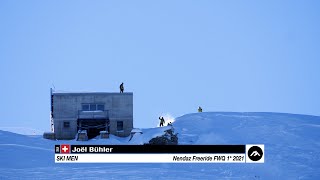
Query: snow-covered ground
pixel 291 150
pixel 22 130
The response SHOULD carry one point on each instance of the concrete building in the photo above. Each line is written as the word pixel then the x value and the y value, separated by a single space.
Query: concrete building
pixel 93 112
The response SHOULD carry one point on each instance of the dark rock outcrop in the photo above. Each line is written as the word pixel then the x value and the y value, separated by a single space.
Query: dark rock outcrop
pixel 169 138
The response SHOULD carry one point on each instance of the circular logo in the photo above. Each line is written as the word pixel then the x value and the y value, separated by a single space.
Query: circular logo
pixel 255 153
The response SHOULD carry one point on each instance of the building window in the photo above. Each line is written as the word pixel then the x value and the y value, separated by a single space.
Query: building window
pixel 66 124
pixel 100 107
pixel 119 125
pixel 92 107
pixel 85 107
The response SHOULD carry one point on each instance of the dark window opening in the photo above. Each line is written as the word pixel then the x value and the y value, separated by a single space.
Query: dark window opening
pixel 93 107
pixel 85 107
pixel 66 124
pixel 119 125
pixel 100 107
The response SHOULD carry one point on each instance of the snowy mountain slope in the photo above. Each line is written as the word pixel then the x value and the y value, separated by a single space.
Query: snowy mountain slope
pixel 21 151
pixel 291 150
pixel 22 130
pixel 291 141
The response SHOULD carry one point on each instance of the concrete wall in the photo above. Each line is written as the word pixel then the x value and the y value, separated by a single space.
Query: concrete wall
pixel 67 105
pixel 65 133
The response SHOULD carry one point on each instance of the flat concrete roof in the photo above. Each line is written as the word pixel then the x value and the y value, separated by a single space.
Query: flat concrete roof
pixel 90 93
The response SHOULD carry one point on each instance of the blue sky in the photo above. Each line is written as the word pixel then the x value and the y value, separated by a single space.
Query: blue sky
pixel 173 55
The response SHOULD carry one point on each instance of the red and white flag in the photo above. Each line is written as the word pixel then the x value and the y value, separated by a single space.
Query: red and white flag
pixel 65 148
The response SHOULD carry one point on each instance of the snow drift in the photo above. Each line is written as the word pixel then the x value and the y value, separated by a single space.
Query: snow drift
pixel 291 150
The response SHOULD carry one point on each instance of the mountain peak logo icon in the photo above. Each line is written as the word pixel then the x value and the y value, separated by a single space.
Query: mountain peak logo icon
pixel 255 153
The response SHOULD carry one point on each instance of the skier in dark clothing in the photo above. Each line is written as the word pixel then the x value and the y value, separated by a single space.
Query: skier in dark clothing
pixel 161 121
pixel 121 88
pixel 199 109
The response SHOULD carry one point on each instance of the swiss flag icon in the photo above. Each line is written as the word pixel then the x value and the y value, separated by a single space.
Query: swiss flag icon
pixel 65 148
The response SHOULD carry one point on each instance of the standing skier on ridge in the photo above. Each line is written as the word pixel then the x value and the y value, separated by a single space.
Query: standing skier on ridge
pixel 161 121
pixel 121 88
